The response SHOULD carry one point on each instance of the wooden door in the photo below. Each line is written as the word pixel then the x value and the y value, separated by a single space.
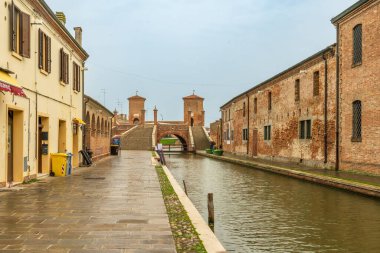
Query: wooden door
pixel 254 142
pixel 10 147
pixel 39 145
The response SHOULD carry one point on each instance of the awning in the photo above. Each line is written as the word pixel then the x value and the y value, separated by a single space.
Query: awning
pixel 9 84
pixel 79 121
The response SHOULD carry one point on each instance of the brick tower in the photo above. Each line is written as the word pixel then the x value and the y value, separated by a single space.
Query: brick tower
pixel 136 110
pixel 194 114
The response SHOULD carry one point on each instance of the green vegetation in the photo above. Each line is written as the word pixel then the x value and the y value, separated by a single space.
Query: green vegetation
pixel 34 180
pixel 168 141
pixel 185 236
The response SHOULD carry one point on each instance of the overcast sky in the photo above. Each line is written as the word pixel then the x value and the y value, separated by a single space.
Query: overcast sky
pixel 165 49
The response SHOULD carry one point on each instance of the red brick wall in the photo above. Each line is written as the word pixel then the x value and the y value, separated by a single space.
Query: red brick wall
pixel 285 115
pixel 196 107
pixel 360 83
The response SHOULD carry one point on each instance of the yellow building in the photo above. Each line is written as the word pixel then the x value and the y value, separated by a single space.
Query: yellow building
pixel 41 84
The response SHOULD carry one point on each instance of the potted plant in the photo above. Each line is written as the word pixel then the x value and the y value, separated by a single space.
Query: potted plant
pixel 218 152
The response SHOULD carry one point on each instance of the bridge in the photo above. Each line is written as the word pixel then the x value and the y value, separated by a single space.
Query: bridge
pixel 137 134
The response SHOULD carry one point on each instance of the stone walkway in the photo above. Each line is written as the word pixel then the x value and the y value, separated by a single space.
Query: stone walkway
pixel 114 206
pixel 364 184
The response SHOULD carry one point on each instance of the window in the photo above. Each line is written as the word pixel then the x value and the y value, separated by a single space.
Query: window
pixel 297 90
pixel 229 114
pixel 244 109
pixel 76 77
pixel 255 105
pixel 305 129
pixel 245 134
pixel 357 120
pixel 44 52
pixel 357 50
pixel 269 101
pixel 267 133
pixel 316 83
pixel 20 32
pixel 64 68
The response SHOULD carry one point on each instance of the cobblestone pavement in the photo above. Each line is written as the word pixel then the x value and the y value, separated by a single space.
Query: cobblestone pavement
pixel 114 206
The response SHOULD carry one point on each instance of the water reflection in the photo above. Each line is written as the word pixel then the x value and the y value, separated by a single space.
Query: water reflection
pixel 257 211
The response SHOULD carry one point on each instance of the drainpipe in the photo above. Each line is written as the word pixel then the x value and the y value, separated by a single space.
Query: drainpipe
pixel 84 113
pixel 248 124
pixel 325 109
pixel 337 164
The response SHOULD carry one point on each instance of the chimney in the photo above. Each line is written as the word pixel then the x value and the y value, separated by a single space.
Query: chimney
pixel 61 17
pixel 78 35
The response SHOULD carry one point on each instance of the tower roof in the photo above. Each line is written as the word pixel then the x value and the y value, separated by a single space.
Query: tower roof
pixel 193 96
pixel 136 97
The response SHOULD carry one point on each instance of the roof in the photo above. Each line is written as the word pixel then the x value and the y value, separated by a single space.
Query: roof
pixel 136 97
pixel 52 14
pixel 282 73
pixel 97 103
pixel 349 10
pixel 193 96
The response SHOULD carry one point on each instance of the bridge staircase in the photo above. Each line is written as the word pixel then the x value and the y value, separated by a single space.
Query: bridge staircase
pixel 138 138
pixel 201 140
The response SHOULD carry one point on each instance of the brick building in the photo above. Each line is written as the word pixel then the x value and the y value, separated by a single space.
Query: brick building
pixel 298 115
pixel 136 110
pixel 41 89
pixel 98 127
pixel 287 117
pixel 358 40
pixel 194 113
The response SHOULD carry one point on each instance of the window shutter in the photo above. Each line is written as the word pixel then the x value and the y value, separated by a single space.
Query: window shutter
pixel 62 65
pixel 79 77
pixel 48 54
pixel 40 48
pixel 67 67
pixel 13 27
pixel 25 36
pixel 74 83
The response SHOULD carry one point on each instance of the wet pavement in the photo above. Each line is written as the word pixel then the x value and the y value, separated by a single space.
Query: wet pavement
pixel 114 206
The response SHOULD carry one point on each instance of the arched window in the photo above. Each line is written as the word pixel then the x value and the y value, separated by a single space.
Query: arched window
pixel 93 126
pixel 269 101
pixel 244 109
pixel 102 127
pixel 357 45
pixel 98 126
pixel 297 88
pixel 357 120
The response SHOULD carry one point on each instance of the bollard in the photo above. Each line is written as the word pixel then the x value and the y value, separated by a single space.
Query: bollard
pixel 184 187
pixel 210 206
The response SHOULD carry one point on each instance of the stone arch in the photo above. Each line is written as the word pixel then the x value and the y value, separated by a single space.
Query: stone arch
pixel 88 130
pixel 93 126
pixel 180 135
pixel 136 121
pixel 98 125
pixel 102 129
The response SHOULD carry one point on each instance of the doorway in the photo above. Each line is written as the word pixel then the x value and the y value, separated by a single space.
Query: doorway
pixel 10 147
pixel 62 137
pixel 75 158
pixel 192 122
pixel 43 145
pixel 15 147
pixel 254 142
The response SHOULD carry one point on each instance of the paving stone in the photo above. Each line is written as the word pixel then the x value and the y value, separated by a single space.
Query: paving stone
pixel 122 212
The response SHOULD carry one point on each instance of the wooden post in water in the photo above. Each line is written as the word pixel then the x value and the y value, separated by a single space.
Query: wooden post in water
pixel 210 206
pixel 184 186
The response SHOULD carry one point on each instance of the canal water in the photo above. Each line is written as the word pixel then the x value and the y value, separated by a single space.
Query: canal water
pixel 257 211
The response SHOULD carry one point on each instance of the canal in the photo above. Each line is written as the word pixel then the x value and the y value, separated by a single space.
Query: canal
pixel 257 211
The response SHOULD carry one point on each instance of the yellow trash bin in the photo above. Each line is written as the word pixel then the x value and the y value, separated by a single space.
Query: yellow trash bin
pixel 59 164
